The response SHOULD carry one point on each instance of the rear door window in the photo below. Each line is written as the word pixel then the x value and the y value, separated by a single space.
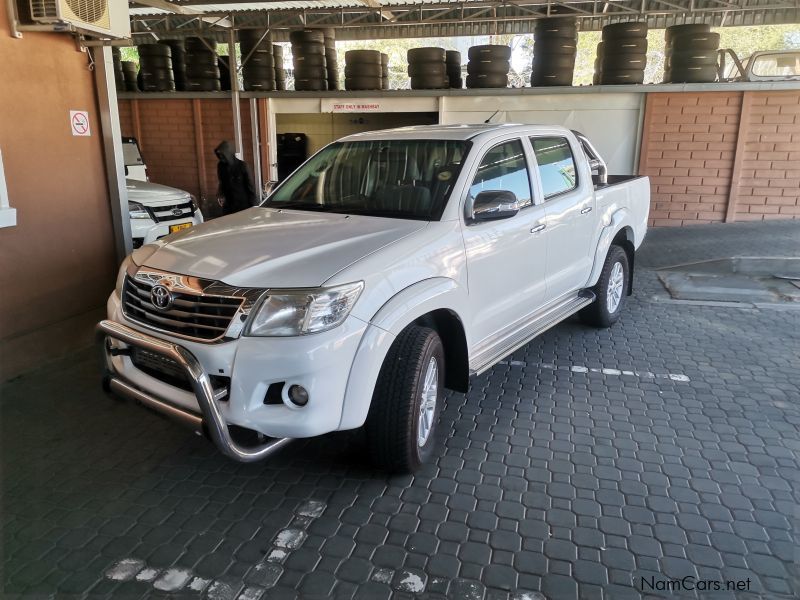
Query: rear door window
pixel 556 164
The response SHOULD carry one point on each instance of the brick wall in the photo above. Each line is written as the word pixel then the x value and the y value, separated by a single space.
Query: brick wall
pixel 769 183
pixel 721 156
pixel 169 131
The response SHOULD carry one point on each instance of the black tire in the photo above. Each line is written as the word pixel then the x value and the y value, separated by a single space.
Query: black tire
pixel 201 72
pixel 631 29
pixel 548 78
pixel 157 75
pixel 203 85
pixel 310 85
pixel 426 54
pixel 456 83
pixel 363 70
pixel 556 33
pixel 700 74
pixel 675 30
pixel 263 49
pixel 555 46
pixel 384 59
pixel 601 48
pixel 392 425
pixel 311 73
pixel 429 82
pixel 554 61
pixel 306 49
pixel 154 50
pixel 598 313
pixel 489 52
pixel 494 80
pixel 427 69
pixel 277 51
pixel 625 46
pixel 596 78
pixel 695 41
pixel 622 76
pixel 616 62
pixel 259 85
pixel 309 60
pixel 128 66
pixel 306 36
pixel 454 72
pixel 256 72
pixel 280 84
pixel 372 57
pixel 193 44
pixel 251 36
pixel 363 83
pixel 693 58
pixel 486 67
pixel 200 57
pixel 452 57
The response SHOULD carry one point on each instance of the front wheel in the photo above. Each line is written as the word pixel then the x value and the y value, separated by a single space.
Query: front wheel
pixel 611 290
pixel 407 400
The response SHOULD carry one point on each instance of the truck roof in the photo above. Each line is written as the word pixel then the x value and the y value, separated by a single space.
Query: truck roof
pixel 444 132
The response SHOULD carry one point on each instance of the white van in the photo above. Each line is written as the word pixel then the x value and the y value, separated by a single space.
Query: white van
pixel 155 210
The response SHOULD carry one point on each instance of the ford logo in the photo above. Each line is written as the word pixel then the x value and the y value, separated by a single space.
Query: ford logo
pixel 177 212
pixel 161 297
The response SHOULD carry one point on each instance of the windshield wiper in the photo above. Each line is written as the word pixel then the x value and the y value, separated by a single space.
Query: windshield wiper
pixel 299 206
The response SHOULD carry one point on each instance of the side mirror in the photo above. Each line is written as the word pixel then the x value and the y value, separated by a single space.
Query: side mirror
pixel 494 204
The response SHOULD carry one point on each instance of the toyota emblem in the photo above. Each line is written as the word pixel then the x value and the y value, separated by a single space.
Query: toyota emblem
pixel 161 297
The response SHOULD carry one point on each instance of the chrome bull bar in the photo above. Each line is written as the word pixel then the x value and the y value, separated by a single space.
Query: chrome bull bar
pixel 211 418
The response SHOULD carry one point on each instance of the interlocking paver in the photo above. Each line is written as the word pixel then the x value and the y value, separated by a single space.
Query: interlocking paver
pixel 549 478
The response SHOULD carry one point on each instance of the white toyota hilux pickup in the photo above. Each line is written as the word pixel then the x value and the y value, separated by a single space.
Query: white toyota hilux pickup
pixel 391 265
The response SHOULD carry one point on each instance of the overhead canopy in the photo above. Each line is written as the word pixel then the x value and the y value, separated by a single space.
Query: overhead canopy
pixel 378 19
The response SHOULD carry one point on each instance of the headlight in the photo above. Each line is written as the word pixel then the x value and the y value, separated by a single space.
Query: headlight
pixel 137 211
pixel 299 312
pixel 123 269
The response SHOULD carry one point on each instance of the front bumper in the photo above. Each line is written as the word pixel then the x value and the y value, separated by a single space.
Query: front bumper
pixel 148 231
pixel 210 421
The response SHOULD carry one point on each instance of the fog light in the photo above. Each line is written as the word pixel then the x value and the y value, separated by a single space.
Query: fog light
pixel 298 395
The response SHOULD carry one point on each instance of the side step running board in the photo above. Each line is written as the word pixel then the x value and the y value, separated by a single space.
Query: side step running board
pixel 528 330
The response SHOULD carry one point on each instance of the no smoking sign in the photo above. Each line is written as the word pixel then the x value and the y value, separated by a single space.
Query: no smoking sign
pixel 79 123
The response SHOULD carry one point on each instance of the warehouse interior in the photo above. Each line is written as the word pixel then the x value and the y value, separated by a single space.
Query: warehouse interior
pixel 722 158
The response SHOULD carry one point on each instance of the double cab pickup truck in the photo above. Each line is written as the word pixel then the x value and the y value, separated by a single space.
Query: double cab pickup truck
pixel 389 266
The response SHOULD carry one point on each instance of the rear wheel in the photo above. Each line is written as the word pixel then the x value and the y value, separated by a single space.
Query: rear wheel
pixel 407 400
pixel 610 291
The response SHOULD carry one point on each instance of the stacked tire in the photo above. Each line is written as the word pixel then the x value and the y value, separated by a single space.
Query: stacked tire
pixel 427 68
pixel 309 61
pixel 119 76
pixel 129 76
pixel 178 51
pixel 488 66
pixel 258 72
pixel 331 59
pixel 691 54
pixel 202 69
pixel 623 55
pixel 554 49
pixel 453 66
pixel 384 71
pixel 363 70
pixel 598 65
pixel 155 62
pixel 280 72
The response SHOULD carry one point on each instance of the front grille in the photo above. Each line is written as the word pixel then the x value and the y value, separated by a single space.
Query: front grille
pixel 162 214
pixel 202 317
pixel 161 367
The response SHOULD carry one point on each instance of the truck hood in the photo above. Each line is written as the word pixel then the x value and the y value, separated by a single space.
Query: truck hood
pixel 263 247
pixel 154 194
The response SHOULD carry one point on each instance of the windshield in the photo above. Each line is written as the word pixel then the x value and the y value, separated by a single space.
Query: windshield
pixel 403 179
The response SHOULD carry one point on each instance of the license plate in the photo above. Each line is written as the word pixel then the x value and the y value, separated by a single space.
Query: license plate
pixel 179 226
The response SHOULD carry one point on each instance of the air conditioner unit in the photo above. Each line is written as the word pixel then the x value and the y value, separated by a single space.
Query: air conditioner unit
pixel 101 18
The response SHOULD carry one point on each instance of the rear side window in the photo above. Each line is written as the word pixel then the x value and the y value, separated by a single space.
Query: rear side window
pixel 504 168
pixel 556 165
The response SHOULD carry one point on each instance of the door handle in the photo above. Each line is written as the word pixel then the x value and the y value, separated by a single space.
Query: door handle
pixel 538 228
pixel 588 209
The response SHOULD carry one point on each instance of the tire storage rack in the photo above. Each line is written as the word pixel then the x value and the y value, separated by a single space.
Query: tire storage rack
pixel 488 66
pixel 155 68
pixel 453 65
pixel 258 72
pixel 202 69
pixel 384 71
pixel 622 54
pixel 427 68
pixel 178 51
pixel 309 60
pixel 331 59
pixel 554 49
pixel 691 54
pixel 363 70
pixel 280 72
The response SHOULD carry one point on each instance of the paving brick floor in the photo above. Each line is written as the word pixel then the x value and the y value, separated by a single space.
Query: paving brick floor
pixel 591 464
